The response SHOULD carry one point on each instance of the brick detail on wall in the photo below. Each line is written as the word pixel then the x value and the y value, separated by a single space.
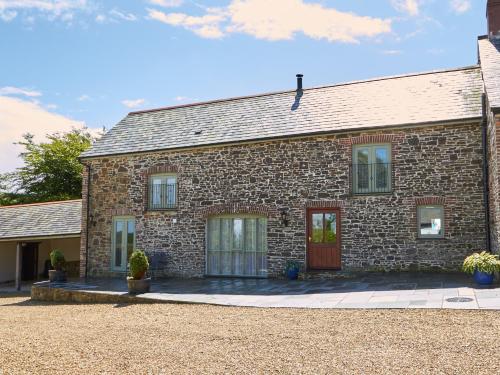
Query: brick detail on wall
pixel 235 208
pixel 123 211
pixel 162 168
pixel 371 138
pixel 430 201
pixel 326 204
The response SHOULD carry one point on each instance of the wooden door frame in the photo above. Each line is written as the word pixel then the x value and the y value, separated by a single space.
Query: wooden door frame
pixel 338 211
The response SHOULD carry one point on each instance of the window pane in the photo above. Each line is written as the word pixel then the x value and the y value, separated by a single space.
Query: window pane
pixel 362 156
pixel 130 237
pixel 238 234
pixel 262 235
pixel 226 231
pixel 382 176
pixel 119 227
pixel 171 191
pixel 381 155
pixel 317 228
pixel 330 227
pixel 213 234
pixel 431 221
pixel 156 192
pixel 362 176
pixel 250 234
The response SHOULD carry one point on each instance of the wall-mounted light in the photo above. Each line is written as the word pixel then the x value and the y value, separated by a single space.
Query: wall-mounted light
pixel 284 217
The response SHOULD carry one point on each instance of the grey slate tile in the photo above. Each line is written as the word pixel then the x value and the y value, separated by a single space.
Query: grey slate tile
pixel 42 219
pixel 404 100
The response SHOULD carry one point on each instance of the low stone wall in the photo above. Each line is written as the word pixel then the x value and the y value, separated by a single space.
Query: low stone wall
pixel 44 292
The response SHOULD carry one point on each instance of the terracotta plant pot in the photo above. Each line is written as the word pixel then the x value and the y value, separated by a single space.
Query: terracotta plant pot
pixel 138 286
pixel 57 276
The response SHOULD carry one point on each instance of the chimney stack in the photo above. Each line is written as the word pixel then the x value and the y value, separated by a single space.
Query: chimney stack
pixel 493 15
pixel 299 80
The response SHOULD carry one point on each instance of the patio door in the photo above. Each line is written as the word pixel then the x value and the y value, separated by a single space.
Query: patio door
pixel 237 246
pixel 123 242
pixel 323 239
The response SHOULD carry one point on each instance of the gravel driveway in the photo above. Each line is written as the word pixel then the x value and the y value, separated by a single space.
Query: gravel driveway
pixel 163 339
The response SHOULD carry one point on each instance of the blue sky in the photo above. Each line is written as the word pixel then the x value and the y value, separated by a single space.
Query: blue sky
pixel 68 62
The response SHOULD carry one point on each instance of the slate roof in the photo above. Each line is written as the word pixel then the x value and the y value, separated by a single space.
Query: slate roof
pixel 438 96
pixel 41 219
pixel 489 55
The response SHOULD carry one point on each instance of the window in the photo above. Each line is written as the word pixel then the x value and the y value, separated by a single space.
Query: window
pixel 430 221
pixel 237 245
pixel 162 192
pixel 122 242
pixel 371 169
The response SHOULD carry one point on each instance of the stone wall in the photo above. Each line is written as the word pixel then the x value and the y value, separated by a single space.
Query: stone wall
pixel 440 164
pixel 493 183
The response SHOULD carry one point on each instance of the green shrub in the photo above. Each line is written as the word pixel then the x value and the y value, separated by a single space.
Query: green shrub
pixel 483 262
pixel 139 264
pixel 57 259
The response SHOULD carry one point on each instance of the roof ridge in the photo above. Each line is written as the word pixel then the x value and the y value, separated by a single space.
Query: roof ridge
pixel 347 83
pixel 39 203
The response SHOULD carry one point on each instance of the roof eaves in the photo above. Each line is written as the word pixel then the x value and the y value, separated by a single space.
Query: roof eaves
pixel 291 136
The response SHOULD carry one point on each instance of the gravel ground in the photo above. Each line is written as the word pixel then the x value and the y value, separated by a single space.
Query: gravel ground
pixel 37 337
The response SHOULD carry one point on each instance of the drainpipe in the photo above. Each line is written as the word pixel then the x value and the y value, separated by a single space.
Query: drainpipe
pixel 486 188
pixel 88 222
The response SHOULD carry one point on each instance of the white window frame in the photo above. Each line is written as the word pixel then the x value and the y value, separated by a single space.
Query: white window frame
pixel 125 219
pixel 243 217
pixel 164 177
pixel 371 147
pixel 443 223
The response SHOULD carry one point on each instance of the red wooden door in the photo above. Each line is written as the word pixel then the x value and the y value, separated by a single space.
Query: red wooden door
pixel 323 239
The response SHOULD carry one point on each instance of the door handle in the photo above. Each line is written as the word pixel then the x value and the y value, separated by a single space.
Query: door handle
pixel 310 238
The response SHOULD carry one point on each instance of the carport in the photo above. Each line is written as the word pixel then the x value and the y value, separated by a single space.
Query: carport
pixel 28 233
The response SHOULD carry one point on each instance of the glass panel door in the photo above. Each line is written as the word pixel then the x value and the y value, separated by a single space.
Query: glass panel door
pixel 237 246
pixel 361 171
pixel 381 173
pixel 123 242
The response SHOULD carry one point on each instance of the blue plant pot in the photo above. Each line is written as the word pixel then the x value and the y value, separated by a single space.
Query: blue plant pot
pixel 292 274
pixel 483 278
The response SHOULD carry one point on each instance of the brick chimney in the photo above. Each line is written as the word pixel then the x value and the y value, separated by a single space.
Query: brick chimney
pixel 493 15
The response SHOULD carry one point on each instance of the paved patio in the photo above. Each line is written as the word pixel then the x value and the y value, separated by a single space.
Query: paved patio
pixel 372 291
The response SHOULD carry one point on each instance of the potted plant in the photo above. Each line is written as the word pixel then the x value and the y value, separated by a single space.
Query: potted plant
pixel 292 269
pixel 138 266
pixel 57 261
pixel 482 266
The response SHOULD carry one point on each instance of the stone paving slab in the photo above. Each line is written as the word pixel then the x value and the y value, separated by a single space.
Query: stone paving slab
pixel 393 291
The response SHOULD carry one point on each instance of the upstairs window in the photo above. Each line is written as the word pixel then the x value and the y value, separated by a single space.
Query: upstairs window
pixel 430 221
pixel 163 192
pixel 372 169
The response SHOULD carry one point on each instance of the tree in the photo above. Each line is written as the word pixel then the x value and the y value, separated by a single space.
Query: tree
pixel 51 169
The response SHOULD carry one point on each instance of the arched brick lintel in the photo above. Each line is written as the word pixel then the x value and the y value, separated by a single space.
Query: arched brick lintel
pixel 430 200
pixel 326 204
pixel 235 208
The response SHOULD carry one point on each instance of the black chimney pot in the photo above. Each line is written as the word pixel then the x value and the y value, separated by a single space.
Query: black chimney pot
pixel 299 81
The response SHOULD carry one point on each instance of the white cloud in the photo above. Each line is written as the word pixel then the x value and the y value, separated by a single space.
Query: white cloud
pixel 460 6
pixel 122 16
pixel 18 117
pixel 181 98
pixel 392 52
pixel 9 90
pixel 167 3
pixel 267 20
pixel 133 103
pixel 410 7
pixel 52 8
pixel 83 98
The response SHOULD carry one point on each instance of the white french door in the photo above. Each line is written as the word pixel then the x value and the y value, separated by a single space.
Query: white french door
pixel 237 246
pixel 122 242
